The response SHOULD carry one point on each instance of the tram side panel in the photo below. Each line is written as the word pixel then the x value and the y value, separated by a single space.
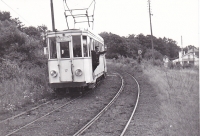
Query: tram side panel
pixel 100 68
pixel 88 70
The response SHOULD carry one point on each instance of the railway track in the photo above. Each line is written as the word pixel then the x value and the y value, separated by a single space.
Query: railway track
pixel 39 118
pixel 16 130
pixel 22 113
pixel 131 117
pixel 93 120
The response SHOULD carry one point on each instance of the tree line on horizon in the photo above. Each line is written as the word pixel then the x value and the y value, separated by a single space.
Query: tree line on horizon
pixel 129 46
pixel 23 43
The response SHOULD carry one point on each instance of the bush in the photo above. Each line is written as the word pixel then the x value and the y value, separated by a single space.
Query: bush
pixel 157 62
pixel 21 85
pixel 23 67
pixel 186 65
pixel 157 54
pixel 170 65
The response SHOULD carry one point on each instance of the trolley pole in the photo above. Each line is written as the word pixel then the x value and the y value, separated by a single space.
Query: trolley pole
pixel 151 29
pixel 52 16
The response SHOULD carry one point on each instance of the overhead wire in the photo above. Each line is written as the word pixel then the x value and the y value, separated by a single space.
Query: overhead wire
pixel 65 13
pixel 19 14
pixel 93 1
pixel 15 11
pixel 90 4
pixel 70 12
pixel 93 14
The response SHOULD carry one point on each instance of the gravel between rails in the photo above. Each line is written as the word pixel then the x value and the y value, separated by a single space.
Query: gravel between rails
pixel 115 118
pixel 12 125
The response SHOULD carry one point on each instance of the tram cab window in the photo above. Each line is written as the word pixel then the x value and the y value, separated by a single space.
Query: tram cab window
pixel 77 46
pixel 89 45
pixel 64 50
pixel 92 44
pixel 52 48
pixel 85 47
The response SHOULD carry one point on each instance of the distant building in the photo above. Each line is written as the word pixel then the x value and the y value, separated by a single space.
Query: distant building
pixel 191 57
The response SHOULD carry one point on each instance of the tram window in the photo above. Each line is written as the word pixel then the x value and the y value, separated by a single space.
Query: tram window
pixel 52 45
pixel 89 45
pixel 92 44
pixel 64 50
pixel 85 48
pixel 77 46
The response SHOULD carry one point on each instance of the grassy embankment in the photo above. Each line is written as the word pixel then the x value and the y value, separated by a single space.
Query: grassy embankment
pixel 20 85
pixel 23 67
pixel 177 93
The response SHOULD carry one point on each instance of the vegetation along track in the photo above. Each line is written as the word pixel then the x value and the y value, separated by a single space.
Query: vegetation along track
pixel 114 111
pixel 23 120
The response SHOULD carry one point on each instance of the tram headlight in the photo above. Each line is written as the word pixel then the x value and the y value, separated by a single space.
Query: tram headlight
pixel 53 73
pixel 78 72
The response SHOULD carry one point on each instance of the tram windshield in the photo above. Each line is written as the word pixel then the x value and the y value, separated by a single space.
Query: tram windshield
pixel 77 46
pixel 52 46
pixel 64 49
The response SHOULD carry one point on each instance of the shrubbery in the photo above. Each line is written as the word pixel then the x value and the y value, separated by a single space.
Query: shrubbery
pixel 23 67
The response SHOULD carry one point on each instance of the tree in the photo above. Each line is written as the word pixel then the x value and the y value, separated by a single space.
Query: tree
pixel 148 54
pixel 116 45
pixel 4 15
pixel 31 31
pixel 18 23
pixel 133 46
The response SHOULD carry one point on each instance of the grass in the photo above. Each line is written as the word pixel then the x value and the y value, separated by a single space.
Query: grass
pixel 178 92
pixel 20 85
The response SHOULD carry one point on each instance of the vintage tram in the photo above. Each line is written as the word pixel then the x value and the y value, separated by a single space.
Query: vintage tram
pixel 71 59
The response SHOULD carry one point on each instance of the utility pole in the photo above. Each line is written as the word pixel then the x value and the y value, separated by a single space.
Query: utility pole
pixel 181 50
pixel 193 54
pixel 52 16
pixel 151 29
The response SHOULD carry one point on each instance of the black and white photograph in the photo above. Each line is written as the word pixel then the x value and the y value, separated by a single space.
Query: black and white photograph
pixel 99 67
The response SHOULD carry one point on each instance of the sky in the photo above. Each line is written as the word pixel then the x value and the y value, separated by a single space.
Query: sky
pixel 171 18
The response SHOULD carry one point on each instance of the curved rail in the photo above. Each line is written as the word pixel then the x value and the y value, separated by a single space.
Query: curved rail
pixel 102 111
pixel 20 114
pixel 43 116
pixel 138 96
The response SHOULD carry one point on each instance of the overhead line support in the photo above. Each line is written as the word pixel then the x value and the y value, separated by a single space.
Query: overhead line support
pixel 151 29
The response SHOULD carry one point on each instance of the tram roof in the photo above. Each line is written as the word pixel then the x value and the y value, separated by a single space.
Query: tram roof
pixel 78 31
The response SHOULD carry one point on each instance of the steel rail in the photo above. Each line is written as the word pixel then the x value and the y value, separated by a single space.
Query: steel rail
pixel 43 116
pixel 103 110
pixel 138 96
pixel 20 114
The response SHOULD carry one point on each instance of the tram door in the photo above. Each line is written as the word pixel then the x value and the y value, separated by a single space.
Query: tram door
pixel 64 59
